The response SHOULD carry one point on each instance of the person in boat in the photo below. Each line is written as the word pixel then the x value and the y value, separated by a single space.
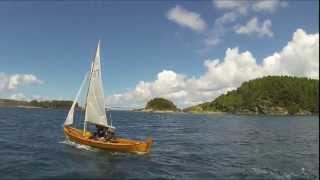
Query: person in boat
pixel 101 131
pixel 110 134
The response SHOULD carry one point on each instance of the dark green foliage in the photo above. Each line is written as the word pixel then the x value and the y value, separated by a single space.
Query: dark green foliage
pixel 11 102
pixel 52 104
pixel 35 103
pixel 291 93
pixel 161 104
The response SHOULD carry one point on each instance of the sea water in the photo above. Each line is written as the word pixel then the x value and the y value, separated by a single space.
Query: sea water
pixel 186 146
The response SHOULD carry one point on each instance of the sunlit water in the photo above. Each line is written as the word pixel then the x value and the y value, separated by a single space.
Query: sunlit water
pixel 186 146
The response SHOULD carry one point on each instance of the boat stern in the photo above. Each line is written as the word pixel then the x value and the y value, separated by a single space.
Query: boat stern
pixel 144 147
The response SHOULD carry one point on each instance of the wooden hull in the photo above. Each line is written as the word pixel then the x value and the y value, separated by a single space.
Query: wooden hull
pixel 118 144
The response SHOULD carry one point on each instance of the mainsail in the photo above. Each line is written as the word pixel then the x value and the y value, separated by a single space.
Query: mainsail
pixel 95 106
pixel 70 117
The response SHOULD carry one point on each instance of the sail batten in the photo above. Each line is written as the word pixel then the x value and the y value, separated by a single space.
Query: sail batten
pixel 95 105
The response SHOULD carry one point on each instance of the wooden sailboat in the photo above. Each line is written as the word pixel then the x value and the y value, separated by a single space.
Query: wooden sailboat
pixel 95 114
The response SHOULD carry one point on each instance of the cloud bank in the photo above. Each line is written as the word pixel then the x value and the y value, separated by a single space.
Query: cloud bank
pixel 298 58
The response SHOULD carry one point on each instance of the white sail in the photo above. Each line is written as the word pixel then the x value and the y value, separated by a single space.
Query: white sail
pixel 95 105
pixel 70 117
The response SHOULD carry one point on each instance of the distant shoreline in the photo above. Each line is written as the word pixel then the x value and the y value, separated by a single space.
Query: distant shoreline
pixel 54 104
pixel 177 112
pixel 253 113
pixel 29 107
pixel 20 106
pixel 220 113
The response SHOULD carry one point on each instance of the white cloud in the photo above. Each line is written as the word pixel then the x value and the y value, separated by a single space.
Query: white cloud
pixel 226 18
pixel 236 9
pixel 18 96
pixel 253 26
pixel 214 35
pixel 22 96
pixel 186 18
pixel 167 84
pixel 229 73
pixel 299 58
pixel 22 79
pixel 244 6
pixel 8 82
pixel 268 5
pixel 238 5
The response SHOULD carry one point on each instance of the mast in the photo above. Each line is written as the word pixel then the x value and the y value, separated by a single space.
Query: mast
pixel 85 107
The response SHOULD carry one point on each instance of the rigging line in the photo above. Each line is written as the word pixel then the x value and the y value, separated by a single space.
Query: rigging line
pixel 110 119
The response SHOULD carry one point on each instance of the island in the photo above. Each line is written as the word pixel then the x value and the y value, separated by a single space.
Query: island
pixel 270 95
pixel 57 104
pixel 160 105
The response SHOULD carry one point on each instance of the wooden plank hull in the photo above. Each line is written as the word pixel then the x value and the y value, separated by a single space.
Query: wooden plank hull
pixel 118 144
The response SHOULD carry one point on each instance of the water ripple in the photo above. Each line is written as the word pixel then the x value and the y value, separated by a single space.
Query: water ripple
pixel 185 146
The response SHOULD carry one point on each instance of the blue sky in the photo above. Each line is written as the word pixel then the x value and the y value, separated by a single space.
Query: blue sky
pixel 54 41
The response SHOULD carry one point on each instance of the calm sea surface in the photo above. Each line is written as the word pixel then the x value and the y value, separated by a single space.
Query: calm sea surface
pixel 186 146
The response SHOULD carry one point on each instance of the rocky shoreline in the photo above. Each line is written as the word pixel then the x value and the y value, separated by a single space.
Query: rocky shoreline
pixel 269 111
pixel 273 111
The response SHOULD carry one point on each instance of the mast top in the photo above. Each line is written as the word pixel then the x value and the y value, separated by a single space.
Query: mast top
pixel 98 49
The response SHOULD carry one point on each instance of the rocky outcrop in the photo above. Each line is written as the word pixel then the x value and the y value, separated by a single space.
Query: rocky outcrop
pixel 160 105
